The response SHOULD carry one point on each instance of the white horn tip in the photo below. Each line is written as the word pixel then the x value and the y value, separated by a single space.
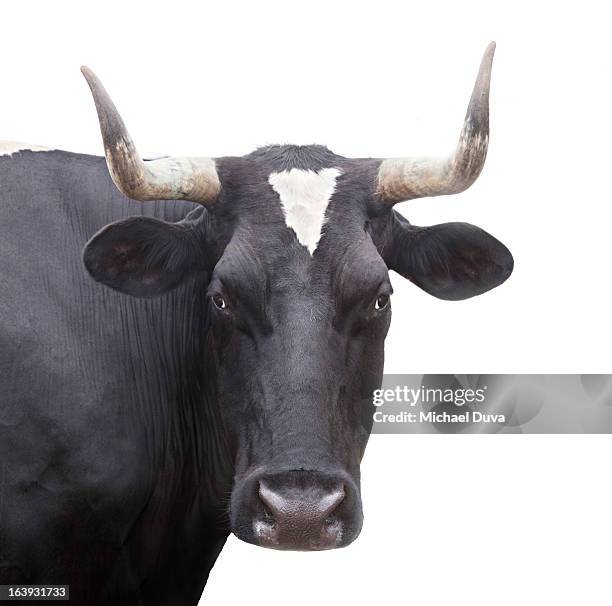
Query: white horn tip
pixel 90 76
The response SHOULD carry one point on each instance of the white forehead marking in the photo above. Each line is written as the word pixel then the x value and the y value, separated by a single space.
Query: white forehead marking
pixel 8 148
pixel 304 196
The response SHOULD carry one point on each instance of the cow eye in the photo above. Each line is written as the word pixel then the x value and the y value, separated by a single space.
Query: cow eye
pixel 219 301
pixel 382 302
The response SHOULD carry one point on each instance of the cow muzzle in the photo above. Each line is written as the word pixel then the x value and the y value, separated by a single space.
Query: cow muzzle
pixel 298 510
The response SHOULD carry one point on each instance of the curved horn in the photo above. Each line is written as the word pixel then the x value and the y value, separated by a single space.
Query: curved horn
pixel 408 178
pixel 193 179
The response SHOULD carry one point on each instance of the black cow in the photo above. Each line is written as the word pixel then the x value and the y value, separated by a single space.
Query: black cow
pixel 217 385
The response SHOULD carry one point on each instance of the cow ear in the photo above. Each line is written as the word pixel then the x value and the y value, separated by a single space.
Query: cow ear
pixel 450 261
pixel 142 256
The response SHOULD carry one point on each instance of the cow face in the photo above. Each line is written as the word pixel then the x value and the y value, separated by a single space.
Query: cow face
pixel 300 306
pixel 293 250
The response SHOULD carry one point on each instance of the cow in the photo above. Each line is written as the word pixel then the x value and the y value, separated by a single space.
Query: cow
pixel 196 365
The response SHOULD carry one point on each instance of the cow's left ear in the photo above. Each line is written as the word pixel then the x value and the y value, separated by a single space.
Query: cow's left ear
pixel 450 261
pixel 144 257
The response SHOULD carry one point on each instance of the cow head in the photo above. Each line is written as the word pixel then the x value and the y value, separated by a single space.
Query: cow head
pixel 293 246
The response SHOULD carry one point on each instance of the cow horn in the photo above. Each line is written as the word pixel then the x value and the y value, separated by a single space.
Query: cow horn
pixel 408 178
pixel 192 179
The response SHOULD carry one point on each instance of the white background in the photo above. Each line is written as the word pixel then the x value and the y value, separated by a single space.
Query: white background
pixel 449 520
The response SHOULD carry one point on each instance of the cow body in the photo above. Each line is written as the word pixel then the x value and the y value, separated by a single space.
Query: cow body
pixel 112 471
pixel 176 370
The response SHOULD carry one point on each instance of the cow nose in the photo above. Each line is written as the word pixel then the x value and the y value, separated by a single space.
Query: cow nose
pixel 283 507
pixel 300 519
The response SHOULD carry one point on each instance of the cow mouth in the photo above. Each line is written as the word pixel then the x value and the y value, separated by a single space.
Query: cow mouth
pixel 270 536
pixel 297 510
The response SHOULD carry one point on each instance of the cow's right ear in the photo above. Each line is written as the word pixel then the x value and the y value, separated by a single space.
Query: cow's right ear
pixel 144 257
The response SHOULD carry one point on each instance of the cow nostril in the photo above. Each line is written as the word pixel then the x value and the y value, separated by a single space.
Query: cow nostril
pixel 267 515
pixel 272 501
pixel 330 502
